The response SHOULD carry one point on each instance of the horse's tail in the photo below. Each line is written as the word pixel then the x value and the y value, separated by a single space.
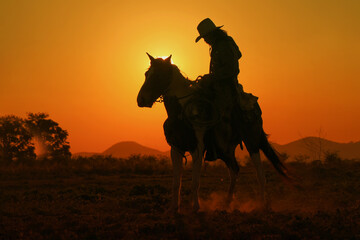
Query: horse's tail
pixel 272 155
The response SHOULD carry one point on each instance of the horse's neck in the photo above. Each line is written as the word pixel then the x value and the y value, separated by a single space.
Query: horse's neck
pixel 179 86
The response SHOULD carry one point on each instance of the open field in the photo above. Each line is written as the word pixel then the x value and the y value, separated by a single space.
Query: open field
pixel 105 199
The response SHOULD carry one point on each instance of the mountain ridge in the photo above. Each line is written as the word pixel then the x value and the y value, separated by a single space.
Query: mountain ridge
pixel 125 149
pixel 308 146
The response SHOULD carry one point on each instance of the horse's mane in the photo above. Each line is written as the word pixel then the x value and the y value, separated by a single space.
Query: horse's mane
pixel 177 69
pixel 174 68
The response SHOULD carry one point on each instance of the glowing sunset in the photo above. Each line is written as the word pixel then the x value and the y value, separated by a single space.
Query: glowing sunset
pixel 98 119
pixel 84 62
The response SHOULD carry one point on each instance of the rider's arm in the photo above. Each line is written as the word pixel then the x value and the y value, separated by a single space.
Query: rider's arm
pixel 224 61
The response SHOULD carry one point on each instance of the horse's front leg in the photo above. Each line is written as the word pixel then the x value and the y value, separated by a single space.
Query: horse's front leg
pixel 176 158
pixel 196 172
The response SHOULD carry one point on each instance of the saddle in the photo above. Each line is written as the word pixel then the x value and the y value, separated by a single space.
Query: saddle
pixel 248 109
pixel 246 101
pixel 200 110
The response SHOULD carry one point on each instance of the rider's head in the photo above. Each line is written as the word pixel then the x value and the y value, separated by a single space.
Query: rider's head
pixel 206 29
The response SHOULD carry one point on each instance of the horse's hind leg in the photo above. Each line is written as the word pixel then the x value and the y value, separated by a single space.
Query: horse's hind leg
pixel 231 191
pixel 196 171
pixel 255 157
pixel 176 158
pixel 233 168
pixel 226 150
pixel 197 158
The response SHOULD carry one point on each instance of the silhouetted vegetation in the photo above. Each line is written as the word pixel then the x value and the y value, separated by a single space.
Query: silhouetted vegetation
pixel 332 158
pixel 18 137
pixel 302 158
pixel 97 164
pixel 50 136
pixel 15 140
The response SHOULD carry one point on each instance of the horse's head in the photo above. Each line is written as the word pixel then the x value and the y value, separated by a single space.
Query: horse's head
pixel 157 81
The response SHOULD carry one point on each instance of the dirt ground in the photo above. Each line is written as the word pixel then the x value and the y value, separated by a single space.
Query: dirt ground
pixel 51 204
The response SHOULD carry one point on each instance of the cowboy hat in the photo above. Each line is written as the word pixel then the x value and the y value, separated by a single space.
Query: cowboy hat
pixel 205 27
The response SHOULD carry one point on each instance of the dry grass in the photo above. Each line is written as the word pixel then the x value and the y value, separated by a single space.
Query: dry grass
pixel 106 198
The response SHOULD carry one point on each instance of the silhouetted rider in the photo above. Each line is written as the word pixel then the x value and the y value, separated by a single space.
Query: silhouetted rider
pixel 224 65
pixel 222 78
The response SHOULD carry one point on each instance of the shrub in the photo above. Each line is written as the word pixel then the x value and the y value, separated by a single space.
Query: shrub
pixel 332 158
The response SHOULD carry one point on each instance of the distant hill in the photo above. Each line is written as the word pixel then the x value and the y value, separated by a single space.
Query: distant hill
pixel 309 146
pixel 124 150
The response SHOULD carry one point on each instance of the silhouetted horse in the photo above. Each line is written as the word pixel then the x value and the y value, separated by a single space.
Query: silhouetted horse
pixel 164 79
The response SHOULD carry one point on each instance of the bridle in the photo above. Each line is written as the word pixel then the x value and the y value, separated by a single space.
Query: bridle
pixel 161 98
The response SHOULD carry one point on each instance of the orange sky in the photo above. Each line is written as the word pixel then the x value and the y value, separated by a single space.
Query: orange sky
pixel 83 62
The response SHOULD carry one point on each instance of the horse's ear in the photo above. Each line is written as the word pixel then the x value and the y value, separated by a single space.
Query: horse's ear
pixel 151 57
pixel 168 59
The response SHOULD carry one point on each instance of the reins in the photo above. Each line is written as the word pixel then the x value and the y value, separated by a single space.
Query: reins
pixel 198 122
pixel 161 98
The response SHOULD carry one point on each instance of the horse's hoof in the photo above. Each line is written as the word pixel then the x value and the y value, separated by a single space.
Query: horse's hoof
pixel 265 206
pixel 228 201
